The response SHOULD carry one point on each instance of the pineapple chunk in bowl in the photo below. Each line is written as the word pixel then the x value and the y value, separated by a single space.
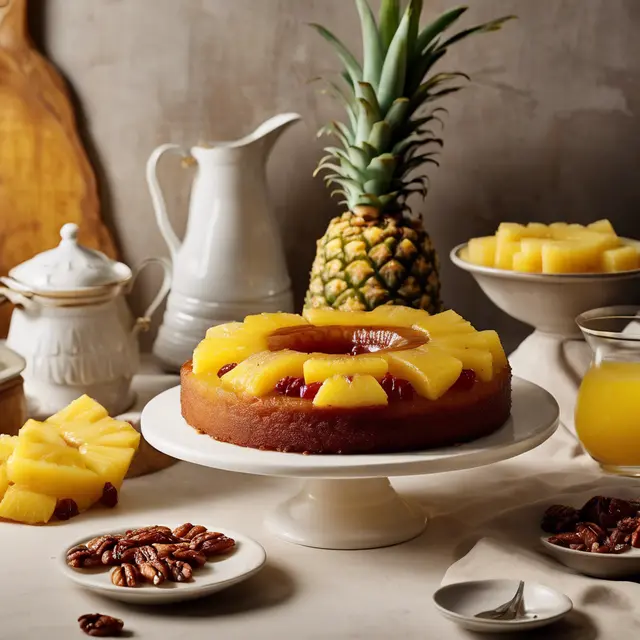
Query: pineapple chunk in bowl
pixel 551 301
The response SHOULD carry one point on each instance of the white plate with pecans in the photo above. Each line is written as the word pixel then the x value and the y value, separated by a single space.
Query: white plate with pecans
pixel 599 537
pixel 157 564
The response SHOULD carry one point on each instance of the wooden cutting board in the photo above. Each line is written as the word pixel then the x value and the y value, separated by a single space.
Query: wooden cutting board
pixel 46 179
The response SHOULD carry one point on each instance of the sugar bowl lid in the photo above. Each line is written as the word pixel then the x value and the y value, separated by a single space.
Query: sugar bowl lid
pixel 69 268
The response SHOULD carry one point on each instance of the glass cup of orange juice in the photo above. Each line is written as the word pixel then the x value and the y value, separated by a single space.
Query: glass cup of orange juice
pixel 608 408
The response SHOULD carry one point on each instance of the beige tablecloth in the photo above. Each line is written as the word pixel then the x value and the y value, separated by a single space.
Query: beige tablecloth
pixel 310 594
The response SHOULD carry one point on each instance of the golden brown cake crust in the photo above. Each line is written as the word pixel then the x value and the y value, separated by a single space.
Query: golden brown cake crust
pixel 279 423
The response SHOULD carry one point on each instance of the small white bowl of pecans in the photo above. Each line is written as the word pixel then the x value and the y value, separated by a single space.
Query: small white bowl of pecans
pixel 601 538
pixel 159 564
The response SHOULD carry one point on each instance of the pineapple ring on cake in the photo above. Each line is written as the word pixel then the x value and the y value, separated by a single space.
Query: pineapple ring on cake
pixel 392 379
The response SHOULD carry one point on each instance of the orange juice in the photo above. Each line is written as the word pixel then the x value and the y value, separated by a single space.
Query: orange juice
pixel 608 413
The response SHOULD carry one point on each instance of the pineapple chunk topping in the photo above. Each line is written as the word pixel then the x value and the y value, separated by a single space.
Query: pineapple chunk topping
pixel 259 374
pixel 360 390
pixel 338 349
pixel 320 368
pixel 68 459
pixel 430 370
pixel 556 248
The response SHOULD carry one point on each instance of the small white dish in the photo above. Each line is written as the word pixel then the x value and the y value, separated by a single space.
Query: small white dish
pixel 550 302
pixel 461 601
pixel 597 565
pixel 246 559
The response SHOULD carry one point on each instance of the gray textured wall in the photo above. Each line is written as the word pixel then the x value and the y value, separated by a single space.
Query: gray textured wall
pixel 547 130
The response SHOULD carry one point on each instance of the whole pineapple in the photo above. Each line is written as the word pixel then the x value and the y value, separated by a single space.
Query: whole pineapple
pixel 376 252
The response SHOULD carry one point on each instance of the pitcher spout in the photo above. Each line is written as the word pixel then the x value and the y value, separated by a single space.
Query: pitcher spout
pixel 268 132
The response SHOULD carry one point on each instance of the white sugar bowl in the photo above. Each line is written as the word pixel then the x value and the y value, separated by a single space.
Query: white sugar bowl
pixel 72 325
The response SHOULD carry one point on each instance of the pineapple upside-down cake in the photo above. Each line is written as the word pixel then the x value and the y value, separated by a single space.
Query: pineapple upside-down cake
pixel 391 379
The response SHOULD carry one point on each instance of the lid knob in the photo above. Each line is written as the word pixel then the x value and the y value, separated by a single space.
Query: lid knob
pixel 69 231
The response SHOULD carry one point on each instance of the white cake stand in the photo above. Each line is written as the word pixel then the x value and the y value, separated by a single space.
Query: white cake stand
pixel 347 502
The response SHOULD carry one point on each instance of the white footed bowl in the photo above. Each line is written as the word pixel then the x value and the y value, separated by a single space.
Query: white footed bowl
pixel 551 302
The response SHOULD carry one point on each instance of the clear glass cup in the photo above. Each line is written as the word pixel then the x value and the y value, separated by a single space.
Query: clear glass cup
pixel 607 414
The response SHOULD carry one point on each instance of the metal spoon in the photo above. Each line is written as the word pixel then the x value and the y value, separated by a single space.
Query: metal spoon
pixel 507 611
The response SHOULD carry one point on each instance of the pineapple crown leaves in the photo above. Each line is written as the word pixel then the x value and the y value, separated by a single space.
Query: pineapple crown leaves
pixel 388 98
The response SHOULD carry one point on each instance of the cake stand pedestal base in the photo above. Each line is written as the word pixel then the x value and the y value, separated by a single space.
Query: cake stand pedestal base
pixel 361 513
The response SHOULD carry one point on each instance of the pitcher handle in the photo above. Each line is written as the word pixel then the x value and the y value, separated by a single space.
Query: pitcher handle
pixel 142 324
pixel 159 204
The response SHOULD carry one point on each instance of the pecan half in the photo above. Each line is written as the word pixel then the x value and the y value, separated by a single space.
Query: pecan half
pixel 109 559
pixel 194 558
pixel 126 575
pixel 578 547
pixel 188 531
pixel 124 547
pixel 165 550
pixel 132 533
pixel 81 556
pixel 212 543
pixel 156 571
pixel 100 626
pixel 152 537
pixel 591 533
pixel 179 571
pixel 103 543
pixel 635 539
pixel 566 539
pixel 145 554
pixel 628 525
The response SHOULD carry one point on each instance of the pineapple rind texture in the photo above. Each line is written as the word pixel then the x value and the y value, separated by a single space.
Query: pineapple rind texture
pixel 361 265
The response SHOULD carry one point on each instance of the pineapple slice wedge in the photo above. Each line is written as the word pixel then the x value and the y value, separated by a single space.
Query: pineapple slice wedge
pixel 482 251
pixel 483 340
pixel 319 369
pixel 42 433
pixel 621 259
pixel 361 391
pixel 110 463
pixel 445 323
pixel 480 361
pixel 107 432
pixel 22 505
pixel 7 445
pixel 329 317
pixel 4 480
pixel 505 251
pixel 397 316
pixel 259 374
pixel 84 408
pixel 602 226
pixel 52 470
pixel 213 353
pixel 224 330
pixel 431 370
pixel 266 323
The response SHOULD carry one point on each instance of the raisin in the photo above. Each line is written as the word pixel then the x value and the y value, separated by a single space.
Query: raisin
pixel 227 367
pixel 397 388
pixel 309 391
pixel 109 496
pixel 290 386
pixel 465 381
pixel 66 508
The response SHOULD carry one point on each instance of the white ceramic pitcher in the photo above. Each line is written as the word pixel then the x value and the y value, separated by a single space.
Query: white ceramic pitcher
pixel 231 261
